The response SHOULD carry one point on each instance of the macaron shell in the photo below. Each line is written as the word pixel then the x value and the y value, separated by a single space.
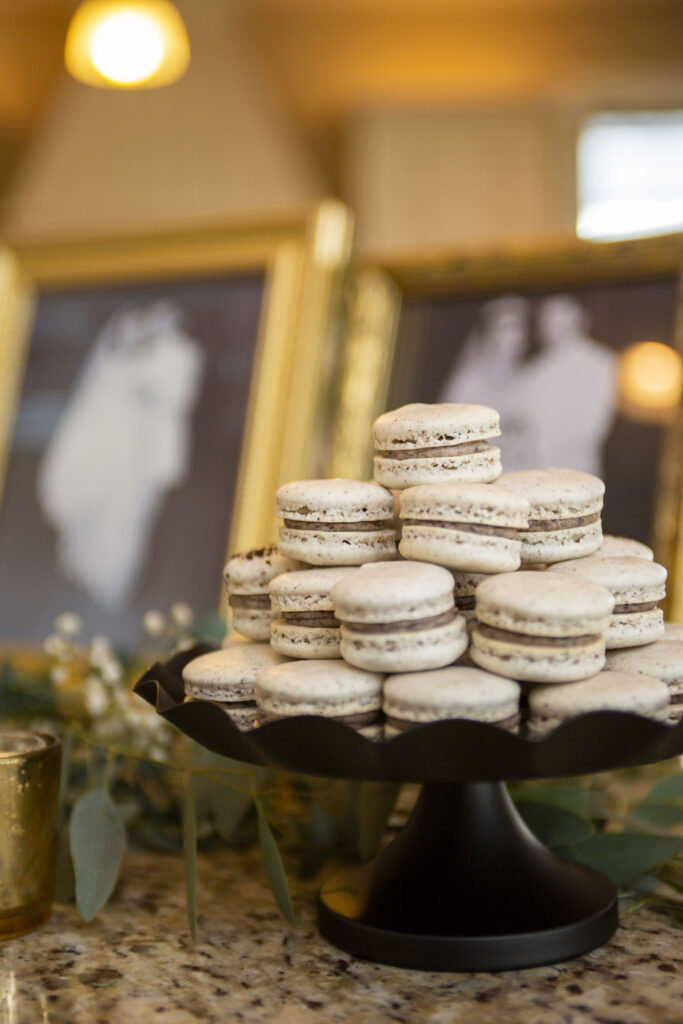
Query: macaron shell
pixel 454 692
pixel 317 687
pixel 251 572
pixel 296 641
pixel 541 547
pixel 632 629
pixel 465 503
pixel 421 425
pixel 306 591
pixel 339 547
pixel 229 673
pixel 662 659
pixel 405 652
pixel 604 691
pixel 475 467
pixel 393 592
pixel 332 501
pixel 243 717
pixel 460 549
pixel 673 630
pixel 556 493
pixel 630 580
pixel 253 623
pixel 543 604
pixel 620 547
pixel 537 664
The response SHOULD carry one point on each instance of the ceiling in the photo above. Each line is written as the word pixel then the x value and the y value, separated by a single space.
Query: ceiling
pixel 328 59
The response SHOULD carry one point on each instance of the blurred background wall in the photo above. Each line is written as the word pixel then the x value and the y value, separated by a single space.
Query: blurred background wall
pixel 440 122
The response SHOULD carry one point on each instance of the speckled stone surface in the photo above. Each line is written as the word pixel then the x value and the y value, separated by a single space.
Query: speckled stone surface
pixel 137 963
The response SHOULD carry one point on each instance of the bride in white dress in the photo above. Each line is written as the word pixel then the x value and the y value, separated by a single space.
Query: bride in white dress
pixel 122 443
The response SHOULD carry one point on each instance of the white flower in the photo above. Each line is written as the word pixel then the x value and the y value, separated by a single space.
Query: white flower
pixel 111 671
pixel 100 649
pixel 96 697
pixel 55 645
pixel 68 624
pixel 153 622
pixel 59 674
pixel 182 614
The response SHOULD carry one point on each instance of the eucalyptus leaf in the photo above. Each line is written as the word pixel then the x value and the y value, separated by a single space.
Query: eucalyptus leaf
pixel 210 629
pixel 623 856
pixel 321 830
pixel 568 798
pixel 375 802
pixel 230 808
pixel 320 837
pixel 660 817
pixel 554 826
pixel 65 882
pixel 274 869
pixel 650 885
pixel 666 791
pixel 97 839
pixel 190 856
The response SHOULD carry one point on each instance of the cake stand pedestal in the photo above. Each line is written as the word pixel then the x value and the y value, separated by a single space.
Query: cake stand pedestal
pixel 465 886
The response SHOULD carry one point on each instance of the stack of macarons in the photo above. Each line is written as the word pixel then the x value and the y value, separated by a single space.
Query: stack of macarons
pixel 447 616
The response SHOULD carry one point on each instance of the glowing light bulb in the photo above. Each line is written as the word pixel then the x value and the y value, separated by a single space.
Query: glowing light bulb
pixel 650 380
pixel 127 43
pixel 127 47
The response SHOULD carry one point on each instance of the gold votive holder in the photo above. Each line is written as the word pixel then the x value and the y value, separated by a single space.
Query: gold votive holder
pixel 29 791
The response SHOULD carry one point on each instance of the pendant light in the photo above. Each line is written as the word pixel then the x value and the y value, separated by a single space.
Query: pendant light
pixel 127 44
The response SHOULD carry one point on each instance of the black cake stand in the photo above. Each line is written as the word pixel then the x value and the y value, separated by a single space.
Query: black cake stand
pixel 465 886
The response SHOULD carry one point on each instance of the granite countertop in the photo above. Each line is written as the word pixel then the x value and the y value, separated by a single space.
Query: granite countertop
pixel 137 963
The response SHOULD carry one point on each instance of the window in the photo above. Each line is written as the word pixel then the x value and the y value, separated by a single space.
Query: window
pixel 630 175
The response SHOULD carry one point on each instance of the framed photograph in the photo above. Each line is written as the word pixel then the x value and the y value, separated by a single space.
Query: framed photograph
pixel 154 393
pixel 578 347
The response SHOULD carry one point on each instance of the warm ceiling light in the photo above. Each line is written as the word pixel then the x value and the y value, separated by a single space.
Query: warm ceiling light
pixel 650 380
pixel 129 44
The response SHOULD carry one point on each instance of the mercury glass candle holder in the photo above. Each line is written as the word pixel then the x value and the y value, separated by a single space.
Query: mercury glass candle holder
pixel 29 791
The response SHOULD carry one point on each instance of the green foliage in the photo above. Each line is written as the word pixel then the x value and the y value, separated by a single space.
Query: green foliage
pixel 274 869
pixel 97 838
pixel 623 856
pixel 375 802
pixel 553 826
pixel 190 854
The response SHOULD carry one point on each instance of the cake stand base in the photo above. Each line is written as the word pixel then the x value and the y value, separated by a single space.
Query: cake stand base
pixel 467 887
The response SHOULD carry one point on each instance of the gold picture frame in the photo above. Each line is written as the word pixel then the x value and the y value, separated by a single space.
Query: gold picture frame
pixel 385 288
pixel 302 260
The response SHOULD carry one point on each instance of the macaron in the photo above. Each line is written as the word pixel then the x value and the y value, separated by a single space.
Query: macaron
pixel 564 520
pixel 336 522
pixel 306 626
pixel 247 577
pixel 331 689
pixel 623 547
pixel 466 584
pixel 399 617
pixel 636 585
pixel 540 628
pixel 228 676
pixel 663 660
pixel 472 527
pixel 423 444
pixel 673 631
pixel 549 706
pixel 414 698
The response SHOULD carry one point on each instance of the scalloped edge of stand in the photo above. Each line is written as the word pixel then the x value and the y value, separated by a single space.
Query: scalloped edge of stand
pixel 452 750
